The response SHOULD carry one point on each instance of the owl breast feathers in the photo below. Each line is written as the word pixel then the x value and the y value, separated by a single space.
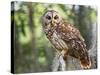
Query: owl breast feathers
pixel 65 38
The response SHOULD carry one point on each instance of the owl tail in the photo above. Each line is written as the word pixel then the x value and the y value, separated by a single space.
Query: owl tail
pixel 85 62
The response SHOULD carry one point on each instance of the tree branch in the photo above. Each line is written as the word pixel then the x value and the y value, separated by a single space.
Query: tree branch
pixel 58 63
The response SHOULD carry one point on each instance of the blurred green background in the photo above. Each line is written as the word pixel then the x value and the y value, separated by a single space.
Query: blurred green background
pixel 33 51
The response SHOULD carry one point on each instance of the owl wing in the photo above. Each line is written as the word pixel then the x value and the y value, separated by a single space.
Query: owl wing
pixel 75 42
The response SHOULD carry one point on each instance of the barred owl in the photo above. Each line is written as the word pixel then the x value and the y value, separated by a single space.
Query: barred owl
pixel 66 38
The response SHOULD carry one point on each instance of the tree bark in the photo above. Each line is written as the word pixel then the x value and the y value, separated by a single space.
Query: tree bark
pixel 58 63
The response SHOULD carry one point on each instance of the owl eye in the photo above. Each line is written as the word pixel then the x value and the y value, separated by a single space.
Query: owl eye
pixel 48 17
pixel 56 17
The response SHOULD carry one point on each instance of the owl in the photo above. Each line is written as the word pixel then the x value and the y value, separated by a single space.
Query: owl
pixel 66 38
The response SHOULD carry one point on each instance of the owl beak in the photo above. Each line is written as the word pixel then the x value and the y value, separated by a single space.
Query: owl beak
pixel 52 23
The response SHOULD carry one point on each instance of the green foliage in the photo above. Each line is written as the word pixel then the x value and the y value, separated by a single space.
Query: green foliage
pixel 33 52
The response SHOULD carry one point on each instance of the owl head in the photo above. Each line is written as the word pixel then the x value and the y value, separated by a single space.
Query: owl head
pixel 51 17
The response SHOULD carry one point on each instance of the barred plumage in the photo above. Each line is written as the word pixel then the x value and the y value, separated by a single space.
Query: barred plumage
pixel 65 37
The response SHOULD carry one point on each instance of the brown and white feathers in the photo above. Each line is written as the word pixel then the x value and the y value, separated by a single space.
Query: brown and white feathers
pixel 65 38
